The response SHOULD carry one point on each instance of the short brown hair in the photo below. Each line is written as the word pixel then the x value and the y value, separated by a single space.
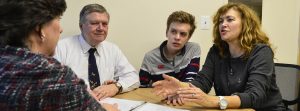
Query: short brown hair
pixel 182 17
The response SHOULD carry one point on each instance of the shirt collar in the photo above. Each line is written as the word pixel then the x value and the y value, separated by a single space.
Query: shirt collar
pixel 161 49
pixel 85 46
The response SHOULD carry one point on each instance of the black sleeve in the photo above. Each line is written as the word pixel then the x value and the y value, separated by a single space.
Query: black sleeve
pixel 144 74
pixel 260 70
pixel 145 78
pixel 204 79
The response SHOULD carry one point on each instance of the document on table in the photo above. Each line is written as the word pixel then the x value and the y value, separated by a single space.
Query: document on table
pixel 131 105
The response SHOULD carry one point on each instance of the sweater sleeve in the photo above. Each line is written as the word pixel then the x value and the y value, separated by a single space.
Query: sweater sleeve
pixel 193 67
pixel 261 70
pixel 144 74
pixel 68 92
pixel 204 79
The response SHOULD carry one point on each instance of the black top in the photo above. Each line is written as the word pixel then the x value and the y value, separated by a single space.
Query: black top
pixel 252 79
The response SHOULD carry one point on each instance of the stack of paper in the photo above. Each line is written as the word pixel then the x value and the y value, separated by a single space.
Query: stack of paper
pixel 131 105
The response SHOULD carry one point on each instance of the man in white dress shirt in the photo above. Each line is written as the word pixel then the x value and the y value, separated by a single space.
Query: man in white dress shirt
pixel 116 74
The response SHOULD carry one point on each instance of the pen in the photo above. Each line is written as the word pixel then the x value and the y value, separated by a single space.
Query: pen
pixel 137 106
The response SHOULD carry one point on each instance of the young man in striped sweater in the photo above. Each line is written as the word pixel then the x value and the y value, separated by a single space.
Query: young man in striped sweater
pixel 175 56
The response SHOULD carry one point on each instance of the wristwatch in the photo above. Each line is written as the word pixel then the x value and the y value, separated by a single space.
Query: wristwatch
pixel 222 102
pixel 119 86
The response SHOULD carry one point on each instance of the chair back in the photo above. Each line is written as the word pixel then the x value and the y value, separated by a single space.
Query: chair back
pixel 287 78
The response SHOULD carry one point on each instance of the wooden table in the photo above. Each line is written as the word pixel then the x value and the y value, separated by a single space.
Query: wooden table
pixel 145 94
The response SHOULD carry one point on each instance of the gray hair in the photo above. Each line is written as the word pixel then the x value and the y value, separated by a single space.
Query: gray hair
pixel 89 9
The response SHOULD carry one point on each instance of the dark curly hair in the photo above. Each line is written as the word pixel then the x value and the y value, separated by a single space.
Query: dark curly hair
pixel 20 17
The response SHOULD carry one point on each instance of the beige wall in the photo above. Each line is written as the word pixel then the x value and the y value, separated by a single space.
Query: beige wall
pixel 298 5
pixel 138 26
pixel 281 22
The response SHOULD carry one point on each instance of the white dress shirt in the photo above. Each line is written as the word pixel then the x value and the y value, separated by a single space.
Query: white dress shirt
pixel 111 62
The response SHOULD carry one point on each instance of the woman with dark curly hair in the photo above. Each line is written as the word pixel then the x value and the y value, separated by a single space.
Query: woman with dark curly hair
pixel 30 79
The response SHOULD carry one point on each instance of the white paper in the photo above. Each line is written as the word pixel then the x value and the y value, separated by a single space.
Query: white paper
pixel 156 107
pixel 131 105
pixel 123 104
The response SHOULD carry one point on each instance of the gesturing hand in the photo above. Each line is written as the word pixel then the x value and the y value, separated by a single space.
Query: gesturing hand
pixel 193 94
pixel 166 87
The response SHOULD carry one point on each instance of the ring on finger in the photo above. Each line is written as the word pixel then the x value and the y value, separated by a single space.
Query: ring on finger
pixel 193 94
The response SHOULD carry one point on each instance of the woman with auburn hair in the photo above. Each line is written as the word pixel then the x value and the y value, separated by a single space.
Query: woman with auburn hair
pixel 250 34
pixel 239 65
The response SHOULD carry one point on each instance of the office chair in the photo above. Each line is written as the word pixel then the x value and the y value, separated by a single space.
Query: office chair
pixel 287 76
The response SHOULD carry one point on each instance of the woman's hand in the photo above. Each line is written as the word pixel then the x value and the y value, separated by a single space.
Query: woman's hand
pixel 167 87
pixel 196 95
pixel 110 107
pixel 174 100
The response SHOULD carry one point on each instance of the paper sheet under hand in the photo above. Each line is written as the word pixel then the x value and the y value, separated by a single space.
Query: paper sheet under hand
pixel 156 107
pixel 131 105
pixel 123 104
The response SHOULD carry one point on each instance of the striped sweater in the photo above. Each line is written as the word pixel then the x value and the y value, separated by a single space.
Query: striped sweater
pixel 184 67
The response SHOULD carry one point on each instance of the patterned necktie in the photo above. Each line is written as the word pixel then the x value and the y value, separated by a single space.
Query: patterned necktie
pixel 93 70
